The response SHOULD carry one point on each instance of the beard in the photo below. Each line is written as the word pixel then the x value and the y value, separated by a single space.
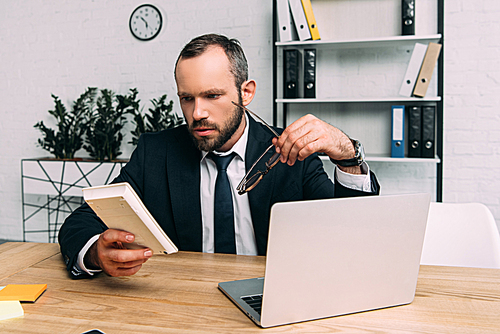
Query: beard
pixel 226 131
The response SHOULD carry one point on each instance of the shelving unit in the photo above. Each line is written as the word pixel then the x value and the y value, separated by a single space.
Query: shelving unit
pixel 343 97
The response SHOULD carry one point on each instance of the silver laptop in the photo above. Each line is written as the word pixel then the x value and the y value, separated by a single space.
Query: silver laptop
pixel 336 256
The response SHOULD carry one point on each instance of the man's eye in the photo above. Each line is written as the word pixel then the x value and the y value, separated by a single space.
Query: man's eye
pixel 213 96
pixel 186 98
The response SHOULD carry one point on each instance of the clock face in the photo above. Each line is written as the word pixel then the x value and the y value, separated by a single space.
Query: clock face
pixel 145 22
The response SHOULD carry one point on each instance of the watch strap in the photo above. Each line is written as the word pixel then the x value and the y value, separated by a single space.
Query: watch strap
pixel 358 159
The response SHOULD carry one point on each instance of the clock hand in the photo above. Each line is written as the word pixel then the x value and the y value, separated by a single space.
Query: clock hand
pixel 146 22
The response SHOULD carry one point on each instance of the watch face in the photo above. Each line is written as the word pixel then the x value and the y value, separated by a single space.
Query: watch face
pixel 145 22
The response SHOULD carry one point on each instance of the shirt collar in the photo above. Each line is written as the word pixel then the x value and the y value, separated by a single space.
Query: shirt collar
pixel 239 147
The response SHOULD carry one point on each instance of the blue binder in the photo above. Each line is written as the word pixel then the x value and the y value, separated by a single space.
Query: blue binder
pixel 398 132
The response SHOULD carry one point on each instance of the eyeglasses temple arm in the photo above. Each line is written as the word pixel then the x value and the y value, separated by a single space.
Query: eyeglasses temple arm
pixel 257 116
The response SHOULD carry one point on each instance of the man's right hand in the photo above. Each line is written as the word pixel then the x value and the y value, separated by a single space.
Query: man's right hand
pixel 109 254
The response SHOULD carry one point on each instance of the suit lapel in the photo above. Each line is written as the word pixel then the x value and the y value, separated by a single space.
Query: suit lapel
pixel 259 139
pixel 183 173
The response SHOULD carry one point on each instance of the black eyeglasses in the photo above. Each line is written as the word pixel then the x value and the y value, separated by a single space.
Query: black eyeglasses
pixel 249 182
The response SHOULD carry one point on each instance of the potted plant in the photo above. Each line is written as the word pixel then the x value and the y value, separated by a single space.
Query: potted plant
pixel 105 123
pixel 68 138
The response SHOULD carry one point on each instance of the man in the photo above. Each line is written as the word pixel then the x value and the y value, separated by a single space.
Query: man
pixel 174 171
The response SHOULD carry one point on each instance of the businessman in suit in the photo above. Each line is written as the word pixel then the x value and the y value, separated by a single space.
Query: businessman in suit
pixel 175 172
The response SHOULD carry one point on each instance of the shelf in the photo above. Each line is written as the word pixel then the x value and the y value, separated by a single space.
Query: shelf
pixel 366 43
pixel 374 158
pixel 363 99
pixel 379 158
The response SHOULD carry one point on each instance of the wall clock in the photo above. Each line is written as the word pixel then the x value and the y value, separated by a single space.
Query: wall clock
pixel 145 22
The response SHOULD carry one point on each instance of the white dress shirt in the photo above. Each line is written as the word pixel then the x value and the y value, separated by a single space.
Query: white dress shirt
pixel 243 226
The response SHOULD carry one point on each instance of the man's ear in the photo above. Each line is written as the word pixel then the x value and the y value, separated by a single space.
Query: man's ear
pixel 248 91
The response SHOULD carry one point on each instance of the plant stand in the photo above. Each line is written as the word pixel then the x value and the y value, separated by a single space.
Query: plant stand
pixel 52 189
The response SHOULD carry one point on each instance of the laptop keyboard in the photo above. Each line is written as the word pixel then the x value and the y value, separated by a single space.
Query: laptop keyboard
pixel 254 301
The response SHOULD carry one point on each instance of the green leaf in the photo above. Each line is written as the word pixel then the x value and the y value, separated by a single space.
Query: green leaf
pixel 160 117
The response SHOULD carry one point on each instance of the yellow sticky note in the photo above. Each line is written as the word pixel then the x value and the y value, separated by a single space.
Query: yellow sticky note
pixel 10 309
pixel 22 292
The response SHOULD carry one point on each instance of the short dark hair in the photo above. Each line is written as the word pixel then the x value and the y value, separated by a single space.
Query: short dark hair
pixel 232 47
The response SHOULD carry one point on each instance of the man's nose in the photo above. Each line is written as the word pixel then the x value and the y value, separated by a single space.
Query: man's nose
pixel 199 112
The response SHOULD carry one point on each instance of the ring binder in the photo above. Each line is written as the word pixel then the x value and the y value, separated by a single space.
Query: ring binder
pixel 310 73
pixel 415 132
pixel 410 78
pixel 291 73
pixel 284 20
pixel 311 20
pixel 398 127
pixel 425 75
pixel 299 18
pixel 408 17
pixel 428 131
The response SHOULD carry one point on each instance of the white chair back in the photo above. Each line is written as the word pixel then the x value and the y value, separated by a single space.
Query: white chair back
pixel 462 235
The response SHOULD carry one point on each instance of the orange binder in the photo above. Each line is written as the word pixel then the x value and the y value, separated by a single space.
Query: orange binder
pixel 428 64
pixel 22 292
pixel 311 21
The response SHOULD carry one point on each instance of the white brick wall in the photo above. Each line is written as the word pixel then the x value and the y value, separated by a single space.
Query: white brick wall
pixel 63 48
pixel 472 101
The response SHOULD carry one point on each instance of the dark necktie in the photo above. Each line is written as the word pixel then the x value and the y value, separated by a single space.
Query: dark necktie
pixel 223 207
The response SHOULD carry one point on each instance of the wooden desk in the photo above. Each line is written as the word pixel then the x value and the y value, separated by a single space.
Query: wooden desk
pixel 178 293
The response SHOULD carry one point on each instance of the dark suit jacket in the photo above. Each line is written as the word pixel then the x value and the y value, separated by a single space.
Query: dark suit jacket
pixel 164 170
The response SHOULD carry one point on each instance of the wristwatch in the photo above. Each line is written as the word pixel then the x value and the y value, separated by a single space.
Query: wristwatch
pixel 359 156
